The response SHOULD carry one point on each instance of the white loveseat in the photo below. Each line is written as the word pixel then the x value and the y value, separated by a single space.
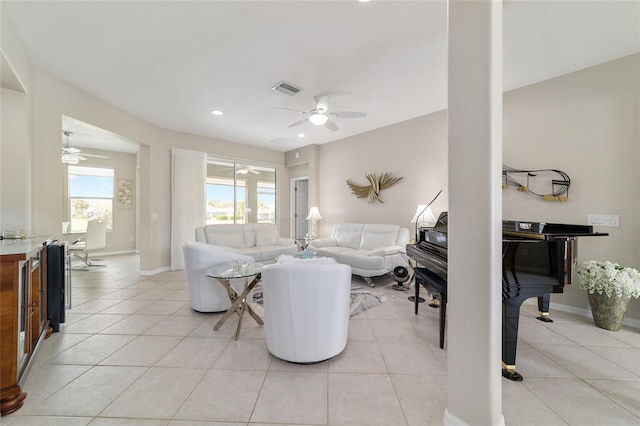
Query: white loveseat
pixel 370 249
pixel 258 240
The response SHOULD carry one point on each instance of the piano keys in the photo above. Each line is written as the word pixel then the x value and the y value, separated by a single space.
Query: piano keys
pixel 537 259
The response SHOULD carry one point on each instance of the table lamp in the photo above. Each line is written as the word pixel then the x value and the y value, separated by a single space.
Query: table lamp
pixel 314 216
pixel 424 216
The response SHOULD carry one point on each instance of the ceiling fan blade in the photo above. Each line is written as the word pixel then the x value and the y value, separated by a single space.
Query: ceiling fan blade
pixel 95 155
pixel 255 172
pixel 289 109
pixel 330 94
pixel 297 123
pixel 81 158
pixel 348 114
pixel 69 150
pixel 331 125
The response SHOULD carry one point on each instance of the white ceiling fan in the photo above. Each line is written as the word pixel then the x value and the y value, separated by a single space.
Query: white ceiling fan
pixel 242 170
pixel 245 170
pixel 73 155
pixel 319 116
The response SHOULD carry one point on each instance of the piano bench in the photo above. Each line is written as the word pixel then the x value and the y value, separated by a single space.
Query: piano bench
pixel 437 286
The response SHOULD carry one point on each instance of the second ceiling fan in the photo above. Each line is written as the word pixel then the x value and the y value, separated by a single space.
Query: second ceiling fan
pixel 320 115
pixel 72 155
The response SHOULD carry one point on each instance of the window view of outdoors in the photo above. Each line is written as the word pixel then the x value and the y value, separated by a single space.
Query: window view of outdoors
pixel 90 196
pixel 240 193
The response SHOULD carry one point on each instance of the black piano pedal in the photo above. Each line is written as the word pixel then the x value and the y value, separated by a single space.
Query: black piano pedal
pixel 509 372
pixel 544 317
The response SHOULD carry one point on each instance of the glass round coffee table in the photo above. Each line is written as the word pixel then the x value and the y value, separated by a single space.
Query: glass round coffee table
pixel 224 274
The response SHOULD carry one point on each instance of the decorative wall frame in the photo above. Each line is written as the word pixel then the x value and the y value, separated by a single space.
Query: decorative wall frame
pixel 557 180
pixel 125 193
pixel 376 184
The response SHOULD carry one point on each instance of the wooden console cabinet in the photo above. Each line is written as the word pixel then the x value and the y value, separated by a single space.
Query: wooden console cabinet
pixel 23 314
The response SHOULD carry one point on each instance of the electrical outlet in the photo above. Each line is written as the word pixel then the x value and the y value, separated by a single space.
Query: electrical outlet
pixel 609 220
pixel 131 238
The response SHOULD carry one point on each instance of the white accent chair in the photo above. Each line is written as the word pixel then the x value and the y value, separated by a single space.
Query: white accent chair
pixel 207 294
pixel 306 309
pixel 94 239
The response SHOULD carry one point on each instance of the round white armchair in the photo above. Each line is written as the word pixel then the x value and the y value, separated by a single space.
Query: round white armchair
pixel 306 308
pixel 207 294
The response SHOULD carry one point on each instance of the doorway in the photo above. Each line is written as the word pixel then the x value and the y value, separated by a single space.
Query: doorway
pixel 299 207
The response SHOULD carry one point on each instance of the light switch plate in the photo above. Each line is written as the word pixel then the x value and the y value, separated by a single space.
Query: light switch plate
pixel 610 220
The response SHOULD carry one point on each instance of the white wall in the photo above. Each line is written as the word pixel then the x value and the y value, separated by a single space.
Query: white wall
pixel 584 123
pixel 415 150
pixel 53 98
pixel 15 131
pixel 15 160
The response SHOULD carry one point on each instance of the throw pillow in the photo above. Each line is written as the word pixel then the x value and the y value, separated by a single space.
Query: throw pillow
pixel 266 235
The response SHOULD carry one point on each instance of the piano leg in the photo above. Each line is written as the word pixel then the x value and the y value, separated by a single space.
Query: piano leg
pixel 437 287
pixel 416 299
pixel 443 316
pixel 510 318
pixel 543 307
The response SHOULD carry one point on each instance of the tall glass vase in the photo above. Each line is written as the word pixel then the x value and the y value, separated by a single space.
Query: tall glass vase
pixel 608 311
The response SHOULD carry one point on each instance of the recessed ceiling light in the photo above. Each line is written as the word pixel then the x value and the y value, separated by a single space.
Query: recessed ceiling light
pixel 301 135
pixel 363 1
pixel 216 112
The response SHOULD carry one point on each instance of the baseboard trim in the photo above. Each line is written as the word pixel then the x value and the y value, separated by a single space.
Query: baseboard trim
pixel 629 322
pixel 451 420
pixel 156 271
pixel 110 253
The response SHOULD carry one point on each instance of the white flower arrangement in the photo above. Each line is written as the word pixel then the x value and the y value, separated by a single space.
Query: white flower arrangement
pixel 609 278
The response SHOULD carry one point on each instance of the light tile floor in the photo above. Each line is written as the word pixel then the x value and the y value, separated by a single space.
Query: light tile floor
pixel 132 352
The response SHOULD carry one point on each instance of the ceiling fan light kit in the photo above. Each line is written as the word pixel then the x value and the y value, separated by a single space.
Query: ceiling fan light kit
pixel 70 155
pixel 318 118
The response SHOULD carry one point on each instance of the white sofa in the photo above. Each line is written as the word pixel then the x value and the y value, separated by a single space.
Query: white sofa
pixel 370 249
pixel 258 240
pixel 306 309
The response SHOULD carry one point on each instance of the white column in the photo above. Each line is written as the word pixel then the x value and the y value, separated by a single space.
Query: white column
pixel 188 200
pixel 475 213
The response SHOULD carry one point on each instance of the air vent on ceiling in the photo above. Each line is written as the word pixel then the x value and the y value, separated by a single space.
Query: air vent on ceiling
pixel 288 88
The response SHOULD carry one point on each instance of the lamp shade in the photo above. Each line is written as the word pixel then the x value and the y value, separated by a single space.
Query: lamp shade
pixel 314 214
pixel 424 215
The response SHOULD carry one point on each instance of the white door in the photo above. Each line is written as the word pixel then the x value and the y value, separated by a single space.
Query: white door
pixel 300 207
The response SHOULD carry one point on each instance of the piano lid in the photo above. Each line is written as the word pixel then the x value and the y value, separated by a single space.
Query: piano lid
pixel 512 228
pixel 545 230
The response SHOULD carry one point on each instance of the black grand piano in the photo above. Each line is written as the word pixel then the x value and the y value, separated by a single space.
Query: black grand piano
pixel 537 259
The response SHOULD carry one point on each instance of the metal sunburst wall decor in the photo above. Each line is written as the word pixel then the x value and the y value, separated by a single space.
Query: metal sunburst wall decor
pixel 376 184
